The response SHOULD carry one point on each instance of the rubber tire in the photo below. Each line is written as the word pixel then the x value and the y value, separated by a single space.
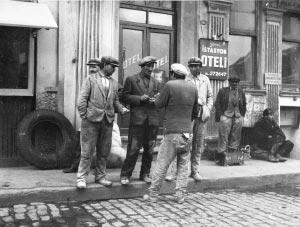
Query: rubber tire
pixel 62 157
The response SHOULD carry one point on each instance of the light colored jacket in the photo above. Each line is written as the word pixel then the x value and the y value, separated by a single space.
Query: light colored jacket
pixel 94 103
pixel 205 94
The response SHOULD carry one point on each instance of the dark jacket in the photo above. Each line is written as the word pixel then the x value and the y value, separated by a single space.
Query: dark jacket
pixel 222 100
pixel 179 98
pixel 133 89
pixel 267 127
pixel 94 104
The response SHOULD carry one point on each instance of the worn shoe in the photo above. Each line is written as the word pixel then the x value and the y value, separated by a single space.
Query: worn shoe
pixel 179 197
pixel 81 184
pixel 273 159
pixel 280 158
pixel 197 176
pixel 146 178
pixel 124 181
pixel 72 169
pixel 104 182
pixel 170 178
pixel 150 198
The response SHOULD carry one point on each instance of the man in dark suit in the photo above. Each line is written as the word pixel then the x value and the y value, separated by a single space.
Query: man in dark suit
pixel 97 103
pixel 269 140
pixel 138 91
pixel 230 110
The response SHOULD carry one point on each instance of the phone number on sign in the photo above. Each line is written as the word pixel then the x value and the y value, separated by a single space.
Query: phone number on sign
pixel 213 73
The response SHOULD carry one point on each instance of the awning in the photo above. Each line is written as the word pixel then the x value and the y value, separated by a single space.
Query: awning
pixel 25 14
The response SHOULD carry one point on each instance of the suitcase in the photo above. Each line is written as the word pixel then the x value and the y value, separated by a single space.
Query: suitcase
pixel 236 157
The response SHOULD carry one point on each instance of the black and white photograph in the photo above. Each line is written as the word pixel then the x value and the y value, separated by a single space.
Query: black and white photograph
pixel 149 113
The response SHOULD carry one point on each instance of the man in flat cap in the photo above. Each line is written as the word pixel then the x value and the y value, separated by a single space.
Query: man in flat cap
pixel 179 98
pixel 204 106
pixel 97 104
pixel 144 120
pixel 93 65
pixel 230 109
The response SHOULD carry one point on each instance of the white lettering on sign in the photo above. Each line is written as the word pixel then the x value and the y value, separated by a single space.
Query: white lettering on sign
pixel 212 50
pixel 135 58
pixel 161 61
pixel 214 61
pixel 132 60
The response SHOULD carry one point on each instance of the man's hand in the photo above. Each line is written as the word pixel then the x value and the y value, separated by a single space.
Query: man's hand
pixel 124 110
pixel 270 137
pixel 145 98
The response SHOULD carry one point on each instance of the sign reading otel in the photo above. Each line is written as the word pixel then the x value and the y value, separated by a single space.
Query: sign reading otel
pixel 214 57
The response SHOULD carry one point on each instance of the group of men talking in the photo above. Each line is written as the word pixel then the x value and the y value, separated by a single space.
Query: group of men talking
pixel 187 100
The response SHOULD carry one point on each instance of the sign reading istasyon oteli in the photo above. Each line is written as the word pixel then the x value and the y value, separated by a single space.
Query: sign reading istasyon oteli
pixel 214 57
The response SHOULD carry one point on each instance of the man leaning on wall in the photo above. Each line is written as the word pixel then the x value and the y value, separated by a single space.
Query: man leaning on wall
pixel 97 103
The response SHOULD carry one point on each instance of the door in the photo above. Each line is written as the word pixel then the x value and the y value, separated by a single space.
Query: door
pixel 136 43
pixel 16 87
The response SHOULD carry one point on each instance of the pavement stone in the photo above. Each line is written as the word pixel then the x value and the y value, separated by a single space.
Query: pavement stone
pixel 218 208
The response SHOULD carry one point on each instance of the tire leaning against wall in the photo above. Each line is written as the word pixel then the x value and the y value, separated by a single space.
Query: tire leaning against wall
pixel 62 157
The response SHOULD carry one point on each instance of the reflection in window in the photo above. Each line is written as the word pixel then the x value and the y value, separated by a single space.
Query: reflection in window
pixel 14 50
pixel 291 26
pixel 242 15
pixel 160 19
pixel 133 15
pixel 291 63
pixel 241 57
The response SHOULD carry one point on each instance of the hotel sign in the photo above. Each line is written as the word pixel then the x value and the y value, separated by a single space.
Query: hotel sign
pixel 214 57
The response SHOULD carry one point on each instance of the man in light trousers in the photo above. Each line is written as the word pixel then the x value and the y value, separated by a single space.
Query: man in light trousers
pixel 97 104
pixel 179 98
pixel 204 106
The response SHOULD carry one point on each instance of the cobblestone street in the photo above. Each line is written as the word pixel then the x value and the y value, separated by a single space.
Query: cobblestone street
pixel 221 208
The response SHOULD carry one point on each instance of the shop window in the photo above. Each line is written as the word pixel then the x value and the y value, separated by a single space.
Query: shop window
pixel 14 51
pixel 241 57
pixel 291 52
pixel 242 41
pixel 289 116
pixel 242 16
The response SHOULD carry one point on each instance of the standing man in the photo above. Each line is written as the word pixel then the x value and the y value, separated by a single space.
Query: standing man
pixel 179 98
pixel 93 68
pixel 204 106
pixel 144 120
pixel 97 103
pixel 230 110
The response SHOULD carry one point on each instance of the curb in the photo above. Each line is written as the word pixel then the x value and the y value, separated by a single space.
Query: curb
pixel 137 189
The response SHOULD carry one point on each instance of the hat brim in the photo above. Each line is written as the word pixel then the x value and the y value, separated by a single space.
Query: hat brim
pixel 92 64
pixel 195 64
pixel 114 64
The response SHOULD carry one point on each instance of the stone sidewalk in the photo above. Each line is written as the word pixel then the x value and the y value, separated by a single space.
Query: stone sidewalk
pixel 27 184
pixel 215 208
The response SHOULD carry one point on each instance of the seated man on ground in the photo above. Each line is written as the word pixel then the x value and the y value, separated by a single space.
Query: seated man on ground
pixel 270 143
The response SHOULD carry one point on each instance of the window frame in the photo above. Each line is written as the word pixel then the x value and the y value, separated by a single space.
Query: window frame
pixel 284 86
pixel 29 91
pixel 254 37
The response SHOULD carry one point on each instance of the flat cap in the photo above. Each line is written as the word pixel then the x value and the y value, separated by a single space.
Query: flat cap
pixel 110 60
pixel 195 61
pixel 179 69
pixel 234 78
pixel 94 61
pixel 146 60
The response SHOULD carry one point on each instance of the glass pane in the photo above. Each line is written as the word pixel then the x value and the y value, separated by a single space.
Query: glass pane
pixel 242 15
pixel 291 63
pixel 291 27
pixel 14 50
pixel 132 51
pixel 160 19
pixel 133 15
pixel 160 48
pixel 241 57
